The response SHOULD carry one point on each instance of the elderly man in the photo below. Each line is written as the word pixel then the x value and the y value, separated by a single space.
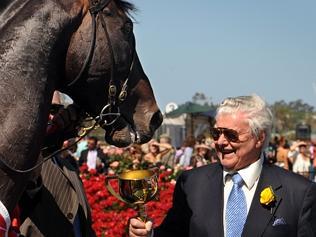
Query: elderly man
pixel 240 196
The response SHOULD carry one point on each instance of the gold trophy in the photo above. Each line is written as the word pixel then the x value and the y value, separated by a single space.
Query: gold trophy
pixel 136 187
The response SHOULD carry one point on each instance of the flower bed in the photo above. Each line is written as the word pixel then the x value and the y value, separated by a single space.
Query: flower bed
pixel 109 215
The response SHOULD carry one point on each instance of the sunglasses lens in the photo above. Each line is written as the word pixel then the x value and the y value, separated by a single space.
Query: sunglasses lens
pixel 215 133
pixel 231 135
pixel 54 108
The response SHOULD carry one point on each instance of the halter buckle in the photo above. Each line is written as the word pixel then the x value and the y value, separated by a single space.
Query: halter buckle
pixel 122 95
pixel 112 90
pixel 107 116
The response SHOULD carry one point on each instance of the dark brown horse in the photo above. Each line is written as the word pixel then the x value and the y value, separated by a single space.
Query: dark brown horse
pixel 85 49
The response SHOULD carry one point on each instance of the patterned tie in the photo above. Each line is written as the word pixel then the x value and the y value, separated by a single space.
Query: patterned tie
pixel 236 208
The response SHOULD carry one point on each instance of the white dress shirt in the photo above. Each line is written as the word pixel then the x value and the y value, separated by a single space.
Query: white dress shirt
pixel 92 159
pixel 250 175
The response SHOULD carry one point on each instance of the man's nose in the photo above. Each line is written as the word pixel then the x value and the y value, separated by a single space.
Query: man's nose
pixel 222 139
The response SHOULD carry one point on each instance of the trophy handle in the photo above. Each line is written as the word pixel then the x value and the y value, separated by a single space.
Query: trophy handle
pixel 111 190
pixel 156 174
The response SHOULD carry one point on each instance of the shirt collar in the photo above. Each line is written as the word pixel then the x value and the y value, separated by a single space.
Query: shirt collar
pixel 249 174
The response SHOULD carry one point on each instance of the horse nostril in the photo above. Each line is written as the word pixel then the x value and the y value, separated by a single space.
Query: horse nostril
pixel 155 121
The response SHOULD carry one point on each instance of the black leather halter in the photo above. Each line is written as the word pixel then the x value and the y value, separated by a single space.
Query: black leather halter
pixel 110 112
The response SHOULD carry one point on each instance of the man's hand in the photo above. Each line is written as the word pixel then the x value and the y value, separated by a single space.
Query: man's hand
pixel 62 126
pixel 137 228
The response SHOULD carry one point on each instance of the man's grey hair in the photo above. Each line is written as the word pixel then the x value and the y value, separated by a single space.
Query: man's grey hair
pixel 255 108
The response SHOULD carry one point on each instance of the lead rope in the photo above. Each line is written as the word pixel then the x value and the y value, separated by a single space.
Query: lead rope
pixel 10 170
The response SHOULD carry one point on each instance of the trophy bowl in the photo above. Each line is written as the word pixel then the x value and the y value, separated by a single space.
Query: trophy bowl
pixel 136 187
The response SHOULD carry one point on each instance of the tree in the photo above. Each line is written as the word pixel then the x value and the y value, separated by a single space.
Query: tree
pixel 202 99
pixel 288 115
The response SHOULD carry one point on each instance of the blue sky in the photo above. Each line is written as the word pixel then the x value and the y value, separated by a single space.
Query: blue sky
pixel 228 48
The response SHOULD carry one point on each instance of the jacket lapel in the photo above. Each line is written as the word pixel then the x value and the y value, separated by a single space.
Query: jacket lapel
pixel 73 178
pixel 259 216
pixel 214 203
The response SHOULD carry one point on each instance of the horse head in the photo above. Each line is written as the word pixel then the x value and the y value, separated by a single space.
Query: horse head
pixel 112 86
pixel 83 48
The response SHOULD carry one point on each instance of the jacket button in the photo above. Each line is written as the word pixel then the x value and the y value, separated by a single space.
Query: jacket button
pixel 70 216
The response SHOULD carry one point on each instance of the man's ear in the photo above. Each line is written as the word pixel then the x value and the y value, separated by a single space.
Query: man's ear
pixel 261 139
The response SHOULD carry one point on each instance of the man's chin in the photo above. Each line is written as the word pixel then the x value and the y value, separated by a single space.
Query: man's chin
pixel 228 162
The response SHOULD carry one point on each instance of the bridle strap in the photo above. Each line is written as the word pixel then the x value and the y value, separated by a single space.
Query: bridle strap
pixel 95 8
pixel 112 86
pixel 10 170
pixel 114 97
pixel 89 55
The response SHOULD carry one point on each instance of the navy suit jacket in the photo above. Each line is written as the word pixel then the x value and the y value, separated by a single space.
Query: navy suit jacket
pixel 197 209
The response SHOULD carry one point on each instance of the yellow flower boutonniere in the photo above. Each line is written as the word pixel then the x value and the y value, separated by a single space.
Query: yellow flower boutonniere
pixel 267 196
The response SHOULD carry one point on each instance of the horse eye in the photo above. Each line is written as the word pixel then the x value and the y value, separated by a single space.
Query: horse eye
pixel 128 27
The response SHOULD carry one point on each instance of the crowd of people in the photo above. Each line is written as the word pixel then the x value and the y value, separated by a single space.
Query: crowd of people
pixel 297 156
pixel 194 152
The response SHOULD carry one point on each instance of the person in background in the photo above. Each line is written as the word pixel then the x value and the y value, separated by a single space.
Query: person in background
pixel 152 157
pixel 270 153
pixel 292 154
pixel 200 139
pixel 82 145
pixel 135 154
pixel 302 162
pixel 312 152
pixel 178 154
pixel 201 156
pixel 167 151
pixel 241 195
pixel 314 169
pixel 282 154
pixel 188 145
pixel 156 151
pixel 94 156
pixel 70 153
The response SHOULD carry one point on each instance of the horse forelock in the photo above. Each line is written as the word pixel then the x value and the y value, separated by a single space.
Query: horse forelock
pixel 125 6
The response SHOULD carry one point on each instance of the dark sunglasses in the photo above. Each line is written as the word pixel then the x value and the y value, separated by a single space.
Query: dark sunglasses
pixel 230 134
pixel 54 108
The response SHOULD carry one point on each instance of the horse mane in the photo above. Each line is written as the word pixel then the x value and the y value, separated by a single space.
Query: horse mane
pixel 125 6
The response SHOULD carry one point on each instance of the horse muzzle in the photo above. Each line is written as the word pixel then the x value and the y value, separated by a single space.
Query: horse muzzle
pixel 124 132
